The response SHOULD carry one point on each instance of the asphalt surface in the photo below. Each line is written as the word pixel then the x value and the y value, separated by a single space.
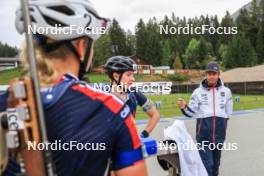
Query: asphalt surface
pixel 245 128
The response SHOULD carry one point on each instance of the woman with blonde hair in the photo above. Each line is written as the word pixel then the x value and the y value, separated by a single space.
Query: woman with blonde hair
pixel 74 111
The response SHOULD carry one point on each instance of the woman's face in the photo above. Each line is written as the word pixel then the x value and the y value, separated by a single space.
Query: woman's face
pixel 128 78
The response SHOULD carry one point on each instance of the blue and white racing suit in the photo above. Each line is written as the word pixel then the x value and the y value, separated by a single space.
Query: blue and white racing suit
pixel 79 114
pixel 211 106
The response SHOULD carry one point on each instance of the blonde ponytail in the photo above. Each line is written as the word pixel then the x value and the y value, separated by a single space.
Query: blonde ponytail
pixel 46 69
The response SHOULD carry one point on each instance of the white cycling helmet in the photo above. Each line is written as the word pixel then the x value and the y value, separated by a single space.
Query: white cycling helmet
pixel 64 21
pixel 62 17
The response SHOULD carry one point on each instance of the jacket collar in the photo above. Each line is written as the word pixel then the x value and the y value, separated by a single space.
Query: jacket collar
pixel 204 84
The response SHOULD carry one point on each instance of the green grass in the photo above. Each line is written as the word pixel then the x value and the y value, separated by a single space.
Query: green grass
pixel 7 75
pixel 170 109
pixel 97 77
pixel 249 102
pixel 169 102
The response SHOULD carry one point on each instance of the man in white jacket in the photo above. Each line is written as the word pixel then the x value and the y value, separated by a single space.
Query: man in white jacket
pixel 211 103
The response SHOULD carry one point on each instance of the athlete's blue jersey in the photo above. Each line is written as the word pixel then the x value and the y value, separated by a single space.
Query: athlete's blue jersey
pixel 78 113
pixel 3 99
pixel 136 98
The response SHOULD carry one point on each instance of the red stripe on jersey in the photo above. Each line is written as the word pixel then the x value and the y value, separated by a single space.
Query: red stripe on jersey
pixel 138 162
pixel 133 131
pixel 107 100
pixel 59 80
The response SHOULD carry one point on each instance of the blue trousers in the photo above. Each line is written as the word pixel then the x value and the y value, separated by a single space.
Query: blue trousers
pixel 211 160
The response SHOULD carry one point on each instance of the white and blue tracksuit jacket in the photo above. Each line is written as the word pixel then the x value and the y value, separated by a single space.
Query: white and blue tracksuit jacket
pixel 211 106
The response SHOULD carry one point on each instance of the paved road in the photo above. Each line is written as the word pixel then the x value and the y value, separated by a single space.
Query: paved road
pixel 246 128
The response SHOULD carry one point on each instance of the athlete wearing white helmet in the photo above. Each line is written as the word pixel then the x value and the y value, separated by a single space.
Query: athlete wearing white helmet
pixel 64 21
pixel 74 111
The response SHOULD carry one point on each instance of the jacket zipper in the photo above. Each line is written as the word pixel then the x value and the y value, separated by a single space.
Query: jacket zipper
pixel 225 126
pixel 199 127
pixel 214 118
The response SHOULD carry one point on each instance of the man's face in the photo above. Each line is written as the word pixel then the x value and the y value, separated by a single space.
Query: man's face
pixel 212 77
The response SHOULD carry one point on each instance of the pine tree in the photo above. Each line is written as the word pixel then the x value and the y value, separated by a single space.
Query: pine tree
pixel 260 35
pixel 166 54
pixel 153 41
pixel 118 38
pixel 141 42
pixel 130 43
pixel 7 51
pixel 191 54
pixel 203 49
pixel 243 21
pixel 240 53
pixel 227 21
pixel 254 19
pixel 102 50
pixel 222 51
pixel 260 45
pixel 177 63
pixel 215 37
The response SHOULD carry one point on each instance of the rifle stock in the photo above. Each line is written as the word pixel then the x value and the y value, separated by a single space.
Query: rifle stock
pixel 33 160
pixel 24 121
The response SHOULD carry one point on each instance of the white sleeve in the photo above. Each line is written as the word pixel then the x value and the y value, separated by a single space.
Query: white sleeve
pixel 192 108
pixel 229 103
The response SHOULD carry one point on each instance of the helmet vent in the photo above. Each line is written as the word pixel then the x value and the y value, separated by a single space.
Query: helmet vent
pixel 62 9
pixel 32 19
pixel 31 9
pixel 53 22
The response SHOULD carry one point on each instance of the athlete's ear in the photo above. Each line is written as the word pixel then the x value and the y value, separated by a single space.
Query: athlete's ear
pixel 80 46
pixel 116 76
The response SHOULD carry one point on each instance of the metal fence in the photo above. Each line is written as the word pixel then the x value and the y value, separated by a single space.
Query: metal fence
pixel 244 88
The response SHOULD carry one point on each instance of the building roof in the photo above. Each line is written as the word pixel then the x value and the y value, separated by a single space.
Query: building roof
pixel 140 60
pixel 10 59
pixel 246 74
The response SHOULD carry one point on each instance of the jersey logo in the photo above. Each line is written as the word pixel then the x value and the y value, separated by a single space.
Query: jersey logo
pixel 204 95
pixel 124 113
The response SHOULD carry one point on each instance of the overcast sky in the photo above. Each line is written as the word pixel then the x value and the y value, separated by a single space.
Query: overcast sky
pixel 128 12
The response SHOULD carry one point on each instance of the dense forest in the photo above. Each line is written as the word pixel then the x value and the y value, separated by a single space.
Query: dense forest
pixel 7 51
pixel 190 51
pixel 246 48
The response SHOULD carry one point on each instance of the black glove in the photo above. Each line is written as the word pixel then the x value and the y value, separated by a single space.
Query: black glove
pixel 144 134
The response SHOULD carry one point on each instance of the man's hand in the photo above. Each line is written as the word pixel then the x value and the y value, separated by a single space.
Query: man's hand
pixel 181 103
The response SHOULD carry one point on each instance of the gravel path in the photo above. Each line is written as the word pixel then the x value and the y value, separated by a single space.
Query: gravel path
pixel 246 128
